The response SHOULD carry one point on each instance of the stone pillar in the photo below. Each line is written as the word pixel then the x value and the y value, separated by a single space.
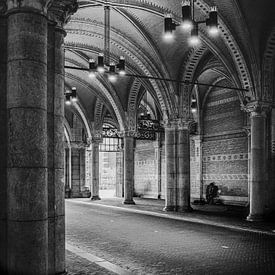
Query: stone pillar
pixel 183 174
pixel 248 132
pixel 3 142
pixel 27 140
pixel 258 165
pixel 128 168
pixel 119 173
pixel 170 159
pixel 272 167
pixel 82 162
pixel 68 172
pixel 198 162
pixel 95 171
pixel 158 164
pixel 56 182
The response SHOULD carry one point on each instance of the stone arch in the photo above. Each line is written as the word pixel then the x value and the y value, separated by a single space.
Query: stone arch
pixel 132 104
pixel 98 115
pixel 80 110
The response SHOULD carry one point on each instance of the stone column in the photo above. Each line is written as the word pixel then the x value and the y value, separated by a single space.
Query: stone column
pixel 68 173
pixel 198 161
pixel 258 164
pixel 3 141
pixel 157 146
pixel 95 171
pixel 183 160
pixel 119 173
pixel 27 139
pixel 248 132
pixel 128 168
pixel 56 182
pixel 170 159
pixel 272 175
pixel 82 172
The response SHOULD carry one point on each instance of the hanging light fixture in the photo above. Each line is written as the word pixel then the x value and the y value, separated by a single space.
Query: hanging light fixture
pixel 194 105
pixel 70 96
pixel 92 68
pixel 189 23
pixel 112 72
pixel 121 66
pixel 100 63
pixel 111 69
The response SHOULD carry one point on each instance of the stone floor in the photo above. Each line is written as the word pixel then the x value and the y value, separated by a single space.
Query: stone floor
pixel 89 253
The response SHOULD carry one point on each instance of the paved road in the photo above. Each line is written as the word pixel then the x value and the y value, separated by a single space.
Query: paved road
pixel 150 245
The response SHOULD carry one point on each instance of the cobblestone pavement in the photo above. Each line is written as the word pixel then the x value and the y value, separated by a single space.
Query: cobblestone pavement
pixel 143 244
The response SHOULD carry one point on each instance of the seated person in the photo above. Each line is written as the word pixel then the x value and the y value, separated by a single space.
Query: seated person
pixel 211 193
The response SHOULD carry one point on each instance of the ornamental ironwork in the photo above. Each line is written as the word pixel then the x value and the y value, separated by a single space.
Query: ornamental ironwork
pixel 110 133
pixel 147 129
pixel 149 125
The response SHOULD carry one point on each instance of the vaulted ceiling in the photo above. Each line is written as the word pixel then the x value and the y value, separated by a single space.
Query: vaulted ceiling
pixel 136 32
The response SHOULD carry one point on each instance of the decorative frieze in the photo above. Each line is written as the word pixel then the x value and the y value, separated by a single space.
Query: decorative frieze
pixel 226 157
pixel 224 177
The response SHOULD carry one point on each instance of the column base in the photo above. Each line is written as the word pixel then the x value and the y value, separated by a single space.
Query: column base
pixel 129 202
pixel 95 198
pixel 169 208
pixel 184 209
pixel 255 218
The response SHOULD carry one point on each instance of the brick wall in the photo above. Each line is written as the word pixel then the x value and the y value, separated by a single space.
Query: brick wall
pixel 225 147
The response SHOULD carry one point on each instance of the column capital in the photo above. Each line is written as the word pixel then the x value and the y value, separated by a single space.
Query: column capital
pixel 179 123
pixel 170 123
pixel 60 11
pixel 257 108
pixel 185 124
pixel 96 138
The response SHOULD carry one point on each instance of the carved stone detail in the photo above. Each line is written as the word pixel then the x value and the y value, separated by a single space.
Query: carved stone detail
pixel 257 108
pixel 61 11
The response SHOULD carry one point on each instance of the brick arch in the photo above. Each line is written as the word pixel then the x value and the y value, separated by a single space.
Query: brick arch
pixel 191 62
pixel 98 114
pixel 269 69
pixel 132 103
